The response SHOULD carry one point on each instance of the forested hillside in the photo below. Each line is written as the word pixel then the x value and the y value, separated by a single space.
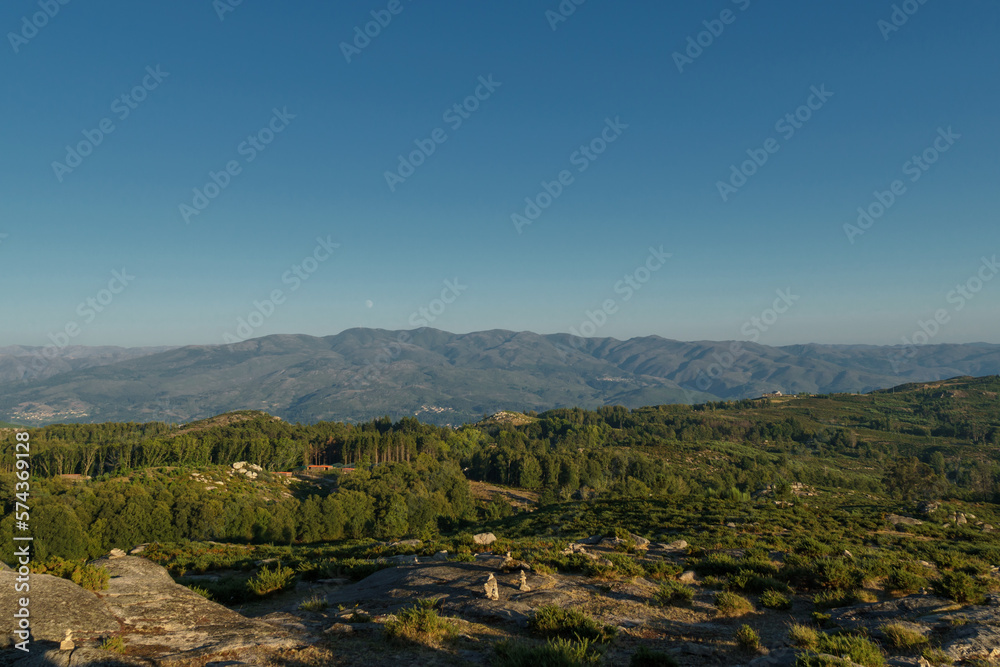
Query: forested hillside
pixel 154 482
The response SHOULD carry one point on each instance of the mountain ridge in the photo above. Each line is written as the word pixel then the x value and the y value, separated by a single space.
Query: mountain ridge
pixel 450 378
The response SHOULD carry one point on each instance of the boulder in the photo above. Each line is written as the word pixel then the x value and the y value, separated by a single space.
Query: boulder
pixel 484 539
pixel 441 555
pixel 156 617
pixel 406 543
pixel 927 507
pixel 57 605
pixel 896 519
pixel 688 577
pixel 676 545
pixel 492 592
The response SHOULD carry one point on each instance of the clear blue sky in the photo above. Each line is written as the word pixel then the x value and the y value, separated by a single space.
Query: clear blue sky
pixel 656 184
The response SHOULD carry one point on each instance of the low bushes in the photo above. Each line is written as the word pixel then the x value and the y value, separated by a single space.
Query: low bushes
pixel 960 587
pixel 420 624
pixel 732 604
pixel 270 581
pixel 553 621
pixel 556 652
pixel 672 593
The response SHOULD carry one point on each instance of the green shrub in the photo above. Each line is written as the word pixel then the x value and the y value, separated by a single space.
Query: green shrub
pixel 803 636
pixel 661 569
pixel 672 592
pixel 902 580
pixel 836 573
pixel 859 649
pixel 732 604
pixel 936 656
pixel 903 638
pixel 554 621
pixel 820 619
pixel 775 600
pixel 749 581
pixel 270 581
pixel 716 564
pixel 747 639
pixel 90 577
pixel 960 587
pixel 834 598
pixel 315 603
pixel 420 624
pixel 114 644
pixel 626 566
pixel 646 657
pixel 557 652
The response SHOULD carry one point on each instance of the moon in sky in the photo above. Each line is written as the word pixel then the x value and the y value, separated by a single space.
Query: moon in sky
pixel 369 303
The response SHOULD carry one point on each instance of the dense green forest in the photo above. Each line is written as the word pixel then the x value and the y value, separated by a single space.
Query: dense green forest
pixel 160 482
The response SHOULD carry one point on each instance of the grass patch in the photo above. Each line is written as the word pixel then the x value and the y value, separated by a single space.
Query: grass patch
pixel 960 587
pixel 903 638
pixel 270 581
pixel 834 598
pixel 420 624
pixel 803 636
pixel 553 621
pixel 315 603
pixel 672 593
pixel 113 644
pixel 859 649
pixel 936 656
pixel 903 581
pixel 732 604
pixel 748 639
pixel 775 600
pixel 556 652
pixel 92 577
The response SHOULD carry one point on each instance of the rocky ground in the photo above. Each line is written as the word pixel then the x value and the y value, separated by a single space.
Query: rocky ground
pixel 163 623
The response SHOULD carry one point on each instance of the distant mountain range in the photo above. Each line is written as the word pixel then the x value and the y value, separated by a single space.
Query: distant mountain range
pixel 442 377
